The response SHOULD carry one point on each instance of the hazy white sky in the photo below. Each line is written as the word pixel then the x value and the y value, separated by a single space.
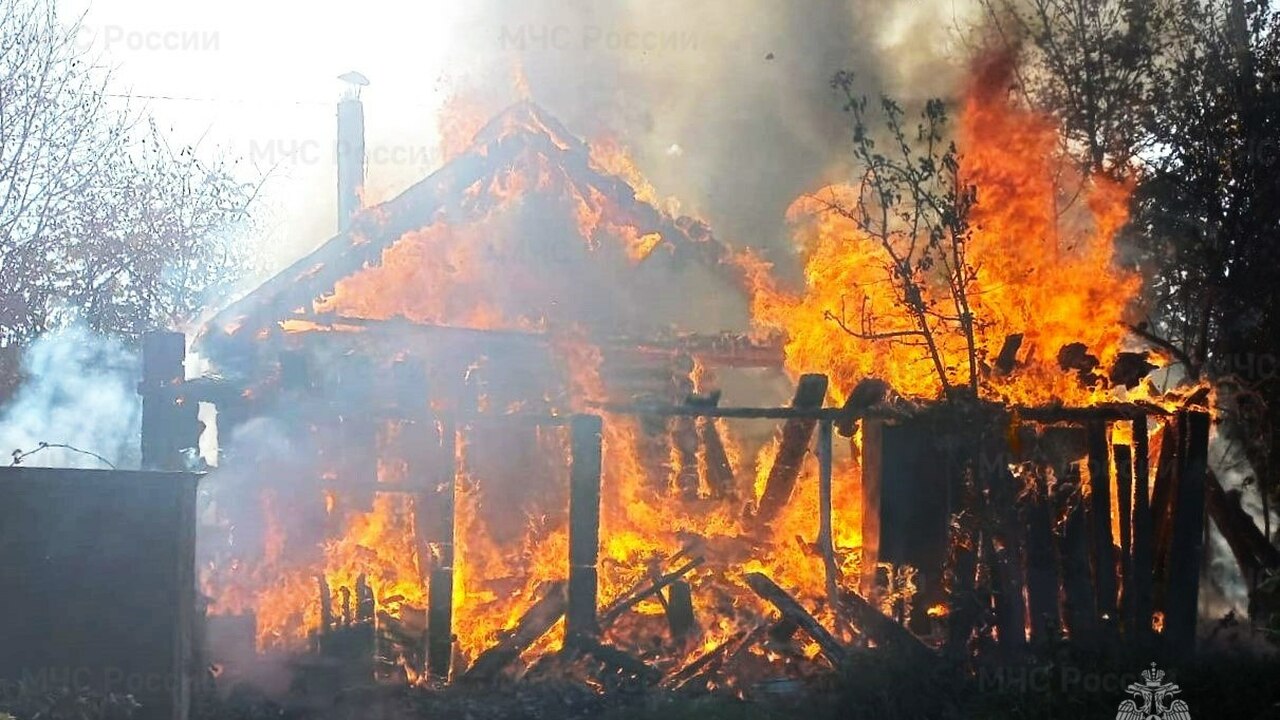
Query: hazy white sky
pixel 255 80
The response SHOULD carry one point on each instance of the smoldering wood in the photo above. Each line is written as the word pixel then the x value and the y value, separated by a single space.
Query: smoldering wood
pixel 1163 497
pixel 584 522
pixel 1099 513
pixel 1183 591
pixel 365 605
pixel 882 630
pixel 791 609
pixel 1006 563
pixel 647 589
pixel 1123 455
pixel 1079 599
pixel 1143 533
pixel 170 426
pixel 811 392
pixel 679 609
pixel 613 658
pixel 710 662
pixel 684 440
pixel 1008 357
pixel 826 543
pixel 535 623
pixel 1042 576
pixel 872 478
pixel 720 473
pixel 326 605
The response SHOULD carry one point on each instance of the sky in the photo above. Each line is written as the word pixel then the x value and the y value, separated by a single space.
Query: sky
pixel 725 104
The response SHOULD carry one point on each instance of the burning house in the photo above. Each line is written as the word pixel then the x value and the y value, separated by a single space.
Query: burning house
pixel 481 431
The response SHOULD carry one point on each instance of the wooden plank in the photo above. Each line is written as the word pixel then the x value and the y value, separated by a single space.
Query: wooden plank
pixel 1102 545
pixel 881 630
pixel 1079 599
pixel 679 609
pixel 1124 501
pixel 1143 533
pixel 648 589
pixel 826 543
pixel 1163 497
pixel 584 523
pixel 872 480
pixel 831 648
pixel 811 392
pixel 1042 575
pixel 535 623
pixel 170 425
pixel 1183 592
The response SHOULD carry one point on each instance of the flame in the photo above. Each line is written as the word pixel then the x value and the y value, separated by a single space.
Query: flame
pixel 1044 268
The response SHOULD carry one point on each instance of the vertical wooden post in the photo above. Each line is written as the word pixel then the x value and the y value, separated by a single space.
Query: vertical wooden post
pixel 1104 555
pixel 1182 604
pixel 826 543
pixel 872 469
pixel 1124 497
pixel 1143 531
pixel 584 523
pixel 169 421
pixel 1042 574
pixel 441 499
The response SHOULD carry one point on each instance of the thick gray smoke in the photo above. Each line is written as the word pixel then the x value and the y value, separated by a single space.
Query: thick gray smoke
pixel 79 390
pixel 725 104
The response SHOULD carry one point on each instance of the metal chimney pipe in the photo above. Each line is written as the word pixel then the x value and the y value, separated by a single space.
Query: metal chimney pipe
pixel 351 157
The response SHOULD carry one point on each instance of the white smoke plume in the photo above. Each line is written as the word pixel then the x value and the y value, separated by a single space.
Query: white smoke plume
pixel 78 397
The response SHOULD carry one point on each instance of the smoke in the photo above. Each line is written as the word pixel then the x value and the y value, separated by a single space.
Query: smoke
pixel 79 391
pixel 725 104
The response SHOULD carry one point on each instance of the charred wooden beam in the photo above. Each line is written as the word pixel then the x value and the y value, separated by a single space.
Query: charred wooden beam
pixel 826 542
pixel 1006 563
pixel 679 607
pixel 1104 554
pixel 872 480
pixel 614 658
pixel 647 589
pixel 1181 608
pixel 170 426
pixel 810 394
pixel 714 659
pixel 535 623
pixel 1008 357
pixel 883 631
pixel 1124 491
pixel 1079 599
pixel 440 504
pixel 831 648
pixel 720 473
pixel 584 523
pixel 1143 533
pixel 1042 576
pixel 1164 494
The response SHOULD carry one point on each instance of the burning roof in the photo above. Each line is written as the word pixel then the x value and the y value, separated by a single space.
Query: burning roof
pixel 524 230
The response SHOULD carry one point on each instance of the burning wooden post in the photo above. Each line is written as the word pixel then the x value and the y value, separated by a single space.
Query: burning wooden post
pixel 720 475
pixel 441 499
pixel 169 419
pixel 1182 594
pixel 826 543
pixel 793 611
pixel 1042 575
pixel 810 394
pixel 584 523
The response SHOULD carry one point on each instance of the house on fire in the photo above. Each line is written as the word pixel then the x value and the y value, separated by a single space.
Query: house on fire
pixel 518 243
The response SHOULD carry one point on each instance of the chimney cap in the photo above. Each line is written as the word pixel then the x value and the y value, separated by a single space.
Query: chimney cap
pixel 354 78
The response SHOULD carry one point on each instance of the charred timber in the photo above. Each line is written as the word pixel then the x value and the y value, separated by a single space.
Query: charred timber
pixel 811 391
pixel 791 609
pixel 535 623
pixel 1182 596
pixel 584 523
pixel 1104 556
